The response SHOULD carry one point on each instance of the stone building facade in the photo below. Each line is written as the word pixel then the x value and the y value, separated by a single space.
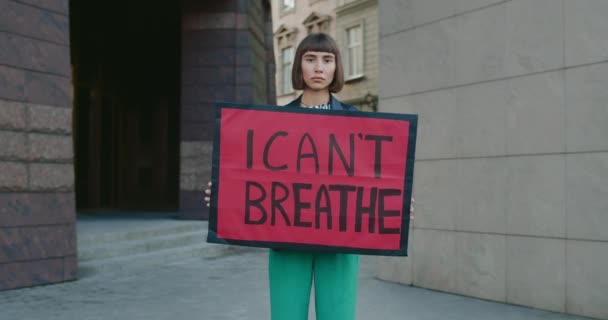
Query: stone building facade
pixel 37 212
pixel 511 172
pixel 100 114
pixel 226 55
pixel 354 26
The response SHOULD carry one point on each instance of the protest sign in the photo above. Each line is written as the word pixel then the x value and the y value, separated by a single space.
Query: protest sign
pixel 309 179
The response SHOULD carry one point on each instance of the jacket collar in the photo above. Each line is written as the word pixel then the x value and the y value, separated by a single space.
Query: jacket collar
pixel 335 104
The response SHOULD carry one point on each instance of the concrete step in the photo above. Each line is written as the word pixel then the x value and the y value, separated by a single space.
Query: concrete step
pixel 139 233
pixel 102 250
pixel 142 261
pixel 140 247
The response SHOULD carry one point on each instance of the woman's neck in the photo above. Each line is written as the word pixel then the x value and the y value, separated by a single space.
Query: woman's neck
pixel 314 98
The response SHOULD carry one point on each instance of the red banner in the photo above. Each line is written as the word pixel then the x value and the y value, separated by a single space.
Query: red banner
pixel 298 178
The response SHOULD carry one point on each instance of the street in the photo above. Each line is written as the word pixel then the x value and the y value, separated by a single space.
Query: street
pixel 230 287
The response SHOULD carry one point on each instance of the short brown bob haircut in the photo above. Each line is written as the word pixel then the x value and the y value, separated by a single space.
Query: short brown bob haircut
pixel 320 42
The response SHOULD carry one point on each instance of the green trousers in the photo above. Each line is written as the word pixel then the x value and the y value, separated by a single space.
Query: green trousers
pixel 291 275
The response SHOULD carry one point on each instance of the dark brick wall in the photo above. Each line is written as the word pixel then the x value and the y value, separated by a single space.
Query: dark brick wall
pixel 225 47
pixel 37 212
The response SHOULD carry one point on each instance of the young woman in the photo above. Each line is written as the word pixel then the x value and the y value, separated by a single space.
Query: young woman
pixel 318 72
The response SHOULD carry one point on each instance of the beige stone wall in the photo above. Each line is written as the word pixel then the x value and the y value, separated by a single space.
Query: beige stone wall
pixel 511 173
pixel 364 13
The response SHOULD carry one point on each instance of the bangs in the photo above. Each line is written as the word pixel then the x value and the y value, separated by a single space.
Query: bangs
pixel 318 42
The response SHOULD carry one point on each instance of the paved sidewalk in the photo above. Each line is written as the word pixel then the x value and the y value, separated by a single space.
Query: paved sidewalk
pixel 231 287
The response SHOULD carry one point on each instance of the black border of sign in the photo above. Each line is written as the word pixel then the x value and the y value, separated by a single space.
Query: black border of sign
pixel 408 182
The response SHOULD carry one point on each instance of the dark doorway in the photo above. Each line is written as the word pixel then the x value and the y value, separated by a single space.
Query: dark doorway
pixel 126 70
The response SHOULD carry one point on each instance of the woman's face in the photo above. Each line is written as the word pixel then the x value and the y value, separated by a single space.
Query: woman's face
pixel 318 69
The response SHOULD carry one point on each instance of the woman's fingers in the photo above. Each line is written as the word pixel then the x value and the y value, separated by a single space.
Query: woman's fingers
pixel 412 209
pixel 208 193
pixel 208 190
pixel 412 205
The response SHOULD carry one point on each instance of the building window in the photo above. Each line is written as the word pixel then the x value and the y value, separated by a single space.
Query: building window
pixel 354 52
pixel 287 5
pixel 286 62
pixel 285 43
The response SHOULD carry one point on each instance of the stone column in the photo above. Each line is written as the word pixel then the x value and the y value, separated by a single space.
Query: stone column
pixel 224 57
pixel 37 206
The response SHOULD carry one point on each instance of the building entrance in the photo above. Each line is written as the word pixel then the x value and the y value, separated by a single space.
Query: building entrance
pixel 125 70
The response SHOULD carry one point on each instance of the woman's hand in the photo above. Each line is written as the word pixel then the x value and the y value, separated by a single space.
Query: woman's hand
pixel 208 194
pixel 411 208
